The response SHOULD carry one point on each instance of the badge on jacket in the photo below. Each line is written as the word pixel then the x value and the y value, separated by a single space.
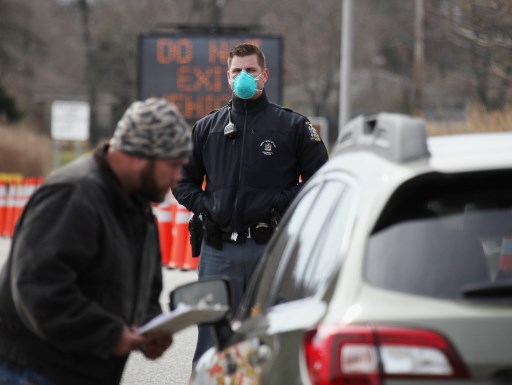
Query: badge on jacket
pixel 268 147
pixel 313 135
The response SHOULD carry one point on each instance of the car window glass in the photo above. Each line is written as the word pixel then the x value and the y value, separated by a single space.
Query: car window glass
pixel 445 239
pixel 300 265
pixel 261 283
pixel 331 245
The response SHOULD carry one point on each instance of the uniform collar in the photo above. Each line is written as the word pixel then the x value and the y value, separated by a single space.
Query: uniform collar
pixel 250 105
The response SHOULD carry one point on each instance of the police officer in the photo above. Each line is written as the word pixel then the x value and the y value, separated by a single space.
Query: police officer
pixel 253 154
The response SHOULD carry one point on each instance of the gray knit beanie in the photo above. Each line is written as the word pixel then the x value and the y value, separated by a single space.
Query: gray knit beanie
pixel 153 128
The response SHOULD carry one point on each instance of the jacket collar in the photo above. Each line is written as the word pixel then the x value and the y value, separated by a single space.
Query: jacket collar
pixel 250 105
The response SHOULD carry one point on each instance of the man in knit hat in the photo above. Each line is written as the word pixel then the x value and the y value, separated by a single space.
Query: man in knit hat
pixel 84 269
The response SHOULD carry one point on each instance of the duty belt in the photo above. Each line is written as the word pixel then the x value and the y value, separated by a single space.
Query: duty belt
pixel 260 233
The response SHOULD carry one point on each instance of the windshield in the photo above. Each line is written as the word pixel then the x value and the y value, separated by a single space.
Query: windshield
pixel 447 236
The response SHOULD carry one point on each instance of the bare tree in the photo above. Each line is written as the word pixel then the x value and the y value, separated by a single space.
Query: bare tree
pixel 419 56
pixel 19 45
pixel 311 35
pixel 63 47
pixel 483 31
pixel 90 73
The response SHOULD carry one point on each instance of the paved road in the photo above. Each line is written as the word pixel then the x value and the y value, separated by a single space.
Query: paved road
pixel 174 367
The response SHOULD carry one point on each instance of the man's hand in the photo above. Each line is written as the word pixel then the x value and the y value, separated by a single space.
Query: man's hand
pixel 129 341
pixel 156 344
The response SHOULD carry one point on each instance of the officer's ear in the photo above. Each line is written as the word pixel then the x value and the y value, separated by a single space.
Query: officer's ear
pixel 266 74
pixel 230 79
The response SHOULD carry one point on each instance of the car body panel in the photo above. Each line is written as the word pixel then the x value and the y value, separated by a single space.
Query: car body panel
pixel 254 359
pixel 267 347
pixel 488 351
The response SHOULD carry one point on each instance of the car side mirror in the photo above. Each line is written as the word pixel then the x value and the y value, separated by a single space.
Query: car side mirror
pixel 206 291
pixel 211 292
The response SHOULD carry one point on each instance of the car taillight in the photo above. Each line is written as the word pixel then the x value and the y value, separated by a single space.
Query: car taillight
pixel 367 355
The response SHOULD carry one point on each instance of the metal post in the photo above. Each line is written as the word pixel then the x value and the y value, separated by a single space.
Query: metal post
pixel 78 148
pixel 346 60
pixel 56 154
pixel 217 11
pixel 419 17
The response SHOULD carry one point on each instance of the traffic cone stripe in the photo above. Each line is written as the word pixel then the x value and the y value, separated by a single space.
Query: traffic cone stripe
pixel 183 216
pixel 3 206
pixel 180 236
pixel 14 196
pixel 163 214
pixel 11 206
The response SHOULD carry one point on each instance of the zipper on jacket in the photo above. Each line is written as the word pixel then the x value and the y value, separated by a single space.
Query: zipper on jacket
pixel 240 165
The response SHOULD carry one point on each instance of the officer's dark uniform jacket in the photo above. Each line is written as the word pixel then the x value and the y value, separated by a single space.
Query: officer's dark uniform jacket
pixel 256 171
pixel 84 262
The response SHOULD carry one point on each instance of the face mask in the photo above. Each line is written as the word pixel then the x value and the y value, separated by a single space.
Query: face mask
pixel 245 85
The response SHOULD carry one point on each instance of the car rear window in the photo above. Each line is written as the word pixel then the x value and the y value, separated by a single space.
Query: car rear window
pixel 445 236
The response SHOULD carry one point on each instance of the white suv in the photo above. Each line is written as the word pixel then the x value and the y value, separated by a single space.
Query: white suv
pixel 392 266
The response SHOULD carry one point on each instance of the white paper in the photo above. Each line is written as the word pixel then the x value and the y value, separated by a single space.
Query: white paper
pixel 182 317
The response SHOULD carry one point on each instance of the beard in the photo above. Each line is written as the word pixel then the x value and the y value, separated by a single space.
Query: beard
pixel 149 188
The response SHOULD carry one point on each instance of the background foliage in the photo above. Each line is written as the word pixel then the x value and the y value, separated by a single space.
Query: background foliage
pixel 87 50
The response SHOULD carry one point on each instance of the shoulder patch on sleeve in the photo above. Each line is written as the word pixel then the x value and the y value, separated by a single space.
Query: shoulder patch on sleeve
pixel 313 135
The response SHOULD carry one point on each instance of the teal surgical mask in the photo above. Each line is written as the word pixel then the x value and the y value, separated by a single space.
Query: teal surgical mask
pixel 245 85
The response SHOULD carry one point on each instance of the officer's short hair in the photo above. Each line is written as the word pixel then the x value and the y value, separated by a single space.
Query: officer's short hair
pixel 246 49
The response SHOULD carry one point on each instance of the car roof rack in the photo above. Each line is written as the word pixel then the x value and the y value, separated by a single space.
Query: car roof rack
pixel 397 137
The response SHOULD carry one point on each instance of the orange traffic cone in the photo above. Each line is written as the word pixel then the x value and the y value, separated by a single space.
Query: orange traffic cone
pixel 26 189
pixel 3 205
pixel 171 264
pixel 180 237
pixel 33 184
pixel 164 218
pixel 190 263
pixel 11 206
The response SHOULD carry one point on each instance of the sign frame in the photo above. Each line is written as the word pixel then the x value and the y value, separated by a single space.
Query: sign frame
pixel 189 69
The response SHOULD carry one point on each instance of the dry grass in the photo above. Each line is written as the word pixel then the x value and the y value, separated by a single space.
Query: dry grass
pixel 482 121
pixel 22 151
pixel 477 120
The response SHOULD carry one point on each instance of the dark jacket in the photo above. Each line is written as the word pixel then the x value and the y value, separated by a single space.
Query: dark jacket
pixel 256 171
pixel 84 262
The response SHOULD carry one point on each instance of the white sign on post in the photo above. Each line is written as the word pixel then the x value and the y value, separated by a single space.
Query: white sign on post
pixel 70 120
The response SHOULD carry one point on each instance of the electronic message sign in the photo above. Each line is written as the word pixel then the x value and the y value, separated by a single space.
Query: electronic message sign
pixel 190 70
